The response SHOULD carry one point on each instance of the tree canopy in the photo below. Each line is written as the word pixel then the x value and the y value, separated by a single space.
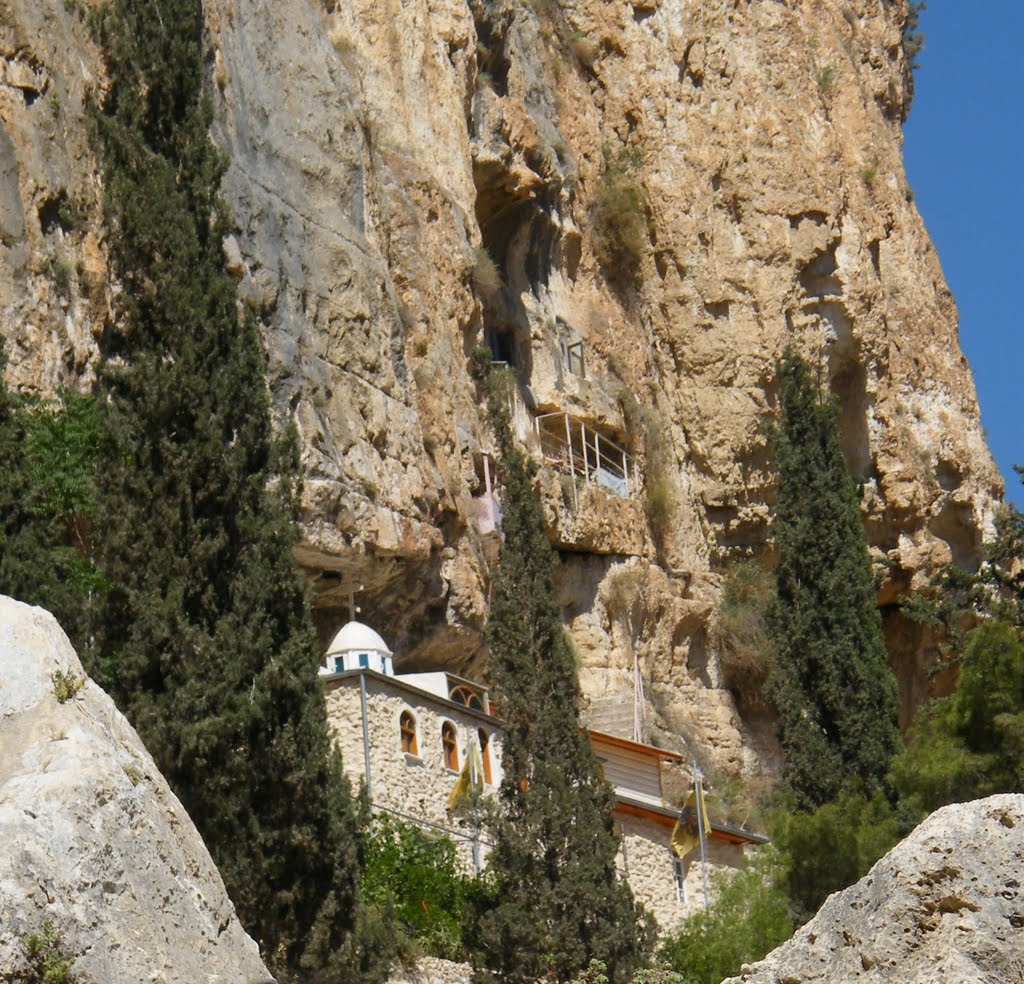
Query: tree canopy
pixel 830 682
pixel 204 635
pixel 559 901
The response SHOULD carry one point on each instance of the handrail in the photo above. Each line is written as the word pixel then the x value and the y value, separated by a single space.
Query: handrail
pixel 591 455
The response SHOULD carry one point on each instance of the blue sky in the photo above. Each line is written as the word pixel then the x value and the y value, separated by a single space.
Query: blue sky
pixel 964 143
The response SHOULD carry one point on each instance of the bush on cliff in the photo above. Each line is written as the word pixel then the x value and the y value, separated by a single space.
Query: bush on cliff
pixel 49 449
pixel 971 743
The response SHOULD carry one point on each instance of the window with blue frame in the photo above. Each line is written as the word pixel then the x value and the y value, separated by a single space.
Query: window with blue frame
pixel 364 661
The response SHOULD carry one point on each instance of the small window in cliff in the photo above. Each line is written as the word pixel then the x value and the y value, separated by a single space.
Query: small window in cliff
pixel 407 731
pixel 572 356
pixel 450 746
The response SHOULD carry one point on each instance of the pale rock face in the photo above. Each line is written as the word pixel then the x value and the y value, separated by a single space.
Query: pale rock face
pixel 52 259
pixel 94 840
pixel 376 146
pixel 943 905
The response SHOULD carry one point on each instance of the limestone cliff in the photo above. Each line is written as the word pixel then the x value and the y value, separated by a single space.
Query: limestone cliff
pixel 413 179
pixel 95 842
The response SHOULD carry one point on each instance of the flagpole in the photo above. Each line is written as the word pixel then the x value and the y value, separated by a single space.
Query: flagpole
pixel 698 785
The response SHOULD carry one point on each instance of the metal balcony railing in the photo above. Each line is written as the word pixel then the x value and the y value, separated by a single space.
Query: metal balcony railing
pixel 580 451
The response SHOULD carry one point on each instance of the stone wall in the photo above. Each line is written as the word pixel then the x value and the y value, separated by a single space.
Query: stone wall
pixel 416 788
pixel 649 864
pixel 432 970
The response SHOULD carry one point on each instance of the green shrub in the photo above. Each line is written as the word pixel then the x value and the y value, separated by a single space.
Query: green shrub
pixel 620 217
pixel 830 848
pixel 659 501
pixel 65 685
pixel 486 276
pixel 748 917
pixel 597 973
pixel 744 643
pixel 416 875
pixel 45 959
pixel 61 273
pixel 913 39
pixel 659 488
pixel 826 79
pixel 49 449
pixel 970 744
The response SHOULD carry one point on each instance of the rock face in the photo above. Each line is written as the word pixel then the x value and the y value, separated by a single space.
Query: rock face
pixel 414 178
pixel 944 905
pixel 94 840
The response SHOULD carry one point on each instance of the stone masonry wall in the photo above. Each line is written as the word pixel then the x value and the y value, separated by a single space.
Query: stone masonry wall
pixel 417 788
pixel 647 860
pixel 414 786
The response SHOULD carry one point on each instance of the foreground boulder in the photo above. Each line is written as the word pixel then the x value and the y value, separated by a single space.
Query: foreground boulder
pixel 944 905
pixel 95 844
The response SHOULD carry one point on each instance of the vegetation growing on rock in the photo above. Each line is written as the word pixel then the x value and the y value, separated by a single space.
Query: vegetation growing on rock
pixel 48 450
pixel 620 217
pixel 45 960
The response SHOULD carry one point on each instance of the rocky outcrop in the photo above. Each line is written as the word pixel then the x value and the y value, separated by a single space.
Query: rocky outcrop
pixel 944 905
pixel 95 841
pixel 411 179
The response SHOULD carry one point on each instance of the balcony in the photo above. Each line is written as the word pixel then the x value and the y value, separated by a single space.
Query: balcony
pixel 574 449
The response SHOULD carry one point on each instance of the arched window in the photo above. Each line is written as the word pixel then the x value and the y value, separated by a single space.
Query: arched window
pixel 450 746
pixel 467 696
pixel 407 730
pixel 485 755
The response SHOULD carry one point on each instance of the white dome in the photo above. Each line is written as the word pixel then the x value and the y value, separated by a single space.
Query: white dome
pixel 356 636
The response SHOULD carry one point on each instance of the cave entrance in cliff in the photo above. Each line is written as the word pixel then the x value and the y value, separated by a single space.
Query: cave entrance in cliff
pixel 850 390
pixel 502 343
pixel 848 383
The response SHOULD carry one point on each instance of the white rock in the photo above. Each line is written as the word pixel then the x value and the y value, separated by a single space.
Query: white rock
pixel 942 907
pixel 93 838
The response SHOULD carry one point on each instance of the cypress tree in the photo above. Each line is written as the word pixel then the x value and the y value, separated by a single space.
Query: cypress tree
pixel 830 684
pixel 560 903
pixel 205 638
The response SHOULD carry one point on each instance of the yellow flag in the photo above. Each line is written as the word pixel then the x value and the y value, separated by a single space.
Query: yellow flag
pixel 686 832
pixel 471 779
